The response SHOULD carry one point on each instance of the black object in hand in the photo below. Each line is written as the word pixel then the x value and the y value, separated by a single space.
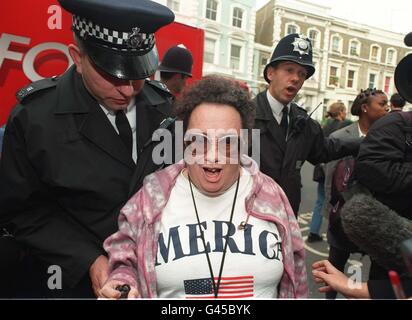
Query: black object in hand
pixel 124 291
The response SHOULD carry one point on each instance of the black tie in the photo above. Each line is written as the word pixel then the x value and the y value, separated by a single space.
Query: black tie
pixel 284 121
pixel 125 131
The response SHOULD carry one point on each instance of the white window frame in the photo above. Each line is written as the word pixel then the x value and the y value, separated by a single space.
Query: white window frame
pixel 214 53
pixel 218 11
pixel 358 51
pixel 394 58
pixel 340 43
pixel 315 76
pixel 353 80
pixel 354 68
pixel 244 16
pixel 318 38
pixel 292 24
pixel 242 46
pixel 379 56
pixel 375 72
pixel 392 83
pixel 338 66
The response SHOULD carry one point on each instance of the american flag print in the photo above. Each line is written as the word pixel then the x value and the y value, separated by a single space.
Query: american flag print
pixel 230 288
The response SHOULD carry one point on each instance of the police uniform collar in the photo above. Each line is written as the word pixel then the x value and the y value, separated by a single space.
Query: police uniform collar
pixel 72 95
pixel 275 105
pixel 130 107
pixel 154 97
pixel 263 110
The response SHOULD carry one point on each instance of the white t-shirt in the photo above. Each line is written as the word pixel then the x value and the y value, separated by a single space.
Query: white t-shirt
pixel 253 265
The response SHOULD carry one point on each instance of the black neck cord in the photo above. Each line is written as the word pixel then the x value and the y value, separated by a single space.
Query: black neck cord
pixel 215 287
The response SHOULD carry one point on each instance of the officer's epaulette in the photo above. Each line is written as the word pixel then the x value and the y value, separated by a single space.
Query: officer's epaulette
pixel 36 87
pixel 159 85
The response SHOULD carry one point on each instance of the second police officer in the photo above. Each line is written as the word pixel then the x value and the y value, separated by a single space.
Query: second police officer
pixel 176 68
pixel 288 136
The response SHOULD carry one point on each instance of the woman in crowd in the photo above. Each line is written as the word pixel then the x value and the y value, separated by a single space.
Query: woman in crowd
pixel 212 225
pixel 369 105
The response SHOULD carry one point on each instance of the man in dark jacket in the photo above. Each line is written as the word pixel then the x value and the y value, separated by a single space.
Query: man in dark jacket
pixel 288 136
pixel 73 143
pixel 384 164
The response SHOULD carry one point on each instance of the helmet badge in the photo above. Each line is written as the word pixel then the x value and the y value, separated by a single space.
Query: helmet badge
pixel 301 45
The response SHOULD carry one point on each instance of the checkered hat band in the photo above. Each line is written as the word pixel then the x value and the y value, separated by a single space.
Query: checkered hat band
pixel 117 40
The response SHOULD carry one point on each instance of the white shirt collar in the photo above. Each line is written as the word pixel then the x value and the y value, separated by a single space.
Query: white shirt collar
pixel 361 134
pixel 275 105
pixel 129 109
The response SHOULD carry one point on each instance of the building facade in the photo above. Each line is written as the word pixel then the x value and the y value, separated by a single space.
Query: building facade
pixel 348 56
pixel 229 33
pixel 239 41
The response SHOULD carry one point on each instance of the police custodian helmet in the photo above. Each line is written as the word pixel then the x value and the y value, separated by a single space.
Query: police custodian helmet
pixel 118 35
pixel 177 60
pixel 295 48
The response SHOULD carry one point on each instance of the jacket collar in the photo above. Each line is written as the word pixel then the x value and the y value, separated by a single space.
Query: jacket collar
pixel 263 110
pixel 153 98
pixel 72 95
pixel 92 122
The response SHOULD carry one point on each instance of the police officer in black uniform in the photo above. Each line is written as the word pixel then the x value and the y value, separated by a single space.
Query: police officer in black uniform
pixel 76 146
pixel 176 68
pixel 288 136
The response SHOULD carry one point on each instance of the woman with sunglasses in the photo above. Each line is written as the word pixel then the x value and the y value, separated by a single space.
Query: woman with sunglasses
pixel 212 225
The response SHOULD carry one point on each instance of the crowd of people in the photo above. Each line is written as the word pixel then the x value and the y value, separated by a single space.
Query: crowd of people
pixel 79 188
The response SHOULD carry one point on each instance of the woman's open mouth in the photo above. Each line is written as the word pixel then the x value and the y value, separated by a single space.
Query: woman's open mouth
pixel 212 174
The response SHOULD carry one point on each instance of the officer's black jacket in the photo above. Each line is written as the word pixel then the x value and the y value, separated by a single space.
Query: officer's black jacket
pixel 64 172
pixel 384 164
pixel 281 159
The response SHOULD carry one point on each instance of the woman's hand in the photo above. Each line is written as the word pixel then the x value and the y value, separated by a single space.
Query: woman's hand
pixel 109 291
pixel 325 273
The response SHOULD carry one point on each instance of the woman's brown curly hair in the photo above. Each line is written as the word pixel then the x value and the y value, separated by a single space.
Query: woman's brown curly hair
pixel 219 90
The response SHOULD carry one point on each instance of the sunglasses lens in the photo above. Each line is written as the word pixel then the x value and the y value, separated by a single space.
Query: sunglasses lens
pixel 229 145
pixel 200 145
